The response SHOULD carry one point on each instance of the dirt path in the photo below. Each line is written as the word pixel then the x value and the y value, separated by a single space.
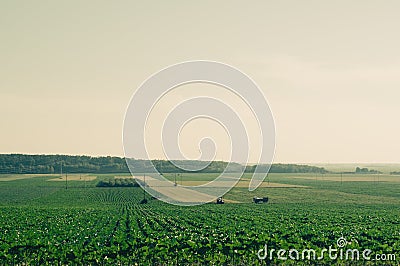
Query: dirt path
pixel 180 193
pixel 176 193
pixel 241 184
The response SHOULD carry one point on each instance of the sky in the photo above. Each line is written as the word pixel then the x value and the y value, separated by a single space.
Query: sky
pixel 330 71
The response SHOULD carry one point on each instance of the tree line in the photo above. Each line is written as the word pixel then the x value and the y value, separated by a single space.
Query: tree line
pixel 55 164
pixel 366 171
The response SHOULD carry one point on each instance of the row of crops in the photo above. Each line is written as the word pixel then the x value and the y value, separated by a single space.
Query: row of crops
pixel 113 228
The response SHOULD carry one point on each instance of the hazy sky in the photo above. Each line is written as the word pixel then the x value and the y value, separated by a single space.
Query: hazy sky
pixel 329 69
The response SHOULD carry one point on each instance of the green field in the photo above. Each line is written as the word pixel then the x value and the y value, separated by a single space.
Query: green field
pixel 42 222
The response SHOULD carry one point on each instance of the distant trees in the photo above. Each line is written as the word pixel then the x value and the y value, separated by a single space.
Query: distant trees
pixel 366 171
pixel 289 168
pixel 50 164
pixel 163 166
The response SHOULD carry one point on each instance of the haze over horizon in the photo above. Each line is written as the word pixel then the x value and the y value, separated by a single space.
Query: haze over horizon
pixel 329 70
pixel 359 163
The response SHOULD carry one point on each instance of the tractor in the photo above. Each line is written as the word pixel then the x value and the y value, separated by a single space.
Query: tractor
pixel 260 200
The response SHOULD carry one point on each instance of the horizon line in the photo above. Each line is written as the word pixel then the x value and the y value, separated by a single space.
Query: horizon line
pixel 249 163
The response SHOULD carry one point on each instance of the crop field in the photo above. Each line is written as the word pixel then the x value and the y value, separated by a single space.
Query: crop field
pixel 374 178
pixel 43 223
pixel 74 177
pixel 12 177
